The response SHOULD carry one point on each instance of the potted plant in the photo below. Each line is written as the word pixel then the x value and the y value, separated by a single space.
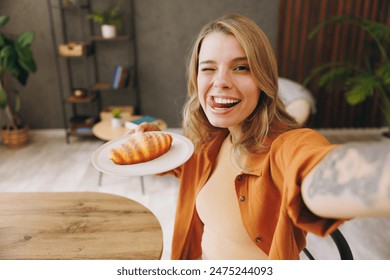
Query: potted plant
pixel 109 19
pixel 364 80
pixel 16 60
pixel 116 120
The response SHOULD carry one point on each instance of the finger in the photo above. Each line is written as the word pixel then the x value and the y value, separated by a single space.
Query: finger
pixel 130 131
pixel 145 126
pixel 142 127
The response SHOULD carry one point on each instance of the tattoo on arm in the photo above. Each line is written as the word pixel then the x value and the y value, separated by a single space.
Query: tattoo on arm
pixel 360 170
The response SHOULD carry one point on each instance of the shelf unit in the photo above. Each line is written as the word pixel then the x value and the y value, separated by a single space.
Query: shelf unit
pixel 92 69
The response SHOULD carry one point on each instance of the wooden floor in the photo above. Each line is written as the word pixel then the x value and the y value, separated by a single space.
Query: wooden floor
pixel 49 164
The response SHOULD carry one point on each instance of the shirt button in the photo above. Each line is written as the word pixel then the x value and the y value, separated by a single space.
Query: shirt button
pixel 242 198
pixel 258 239
pixel 239 177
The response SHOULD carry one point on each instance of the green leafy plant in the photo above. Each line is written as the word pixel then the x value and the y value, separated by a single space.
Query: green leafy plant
pixel 364 80
pixel 16 59
pixel 110 15
pixel 116 113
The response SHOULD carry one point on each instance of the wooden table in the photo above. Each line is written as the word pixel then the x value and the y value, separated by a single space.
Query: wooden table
pixel 77 225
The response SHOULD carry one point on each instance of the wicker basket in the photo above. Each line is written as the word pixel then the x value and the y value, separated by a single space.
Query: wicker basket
pixel 15 138
pixel 74 49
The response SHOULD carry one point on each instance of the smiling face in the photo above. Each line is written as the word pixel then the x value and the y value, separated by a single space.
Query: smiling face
pixel 227 91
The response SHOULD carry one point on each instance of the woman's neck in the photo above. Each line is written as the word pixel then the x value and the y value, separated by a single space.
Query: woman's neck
pixel 235 133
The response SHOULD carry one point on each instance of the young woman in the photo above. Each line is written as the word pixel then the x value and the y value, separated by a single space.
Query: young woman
pixel 257 183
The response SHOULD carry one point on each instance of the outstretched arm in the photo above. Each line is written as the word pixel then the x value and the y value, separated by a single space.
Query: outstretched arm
pixel 353 180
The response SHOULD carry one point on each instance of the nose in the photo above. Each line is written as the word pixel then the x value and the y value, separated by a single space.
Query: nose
pixel 222 79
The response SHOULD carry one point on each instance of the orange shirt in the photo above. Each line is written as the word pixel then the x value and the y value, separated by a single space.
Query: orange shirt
pixel 270 202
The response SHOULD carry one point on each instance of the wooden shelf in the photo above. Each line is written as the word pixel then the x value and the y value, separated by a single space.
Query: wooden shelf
pixel 81 54
pixel 82 124
pixel 115 39
pixel 88 99
pixel 101 86
pixel 107 87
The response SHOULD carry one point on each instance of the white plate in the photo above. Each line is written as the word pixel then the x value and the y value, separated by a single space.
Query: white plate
pixel 180 151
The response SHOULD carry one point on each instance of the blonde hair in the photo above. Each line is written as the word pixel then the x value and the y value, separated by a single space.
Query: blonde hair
pixel 269 116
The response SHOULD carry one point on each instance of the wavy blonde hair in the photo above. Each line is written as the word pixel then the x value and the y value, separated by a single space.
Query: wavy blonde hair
pixel 269 116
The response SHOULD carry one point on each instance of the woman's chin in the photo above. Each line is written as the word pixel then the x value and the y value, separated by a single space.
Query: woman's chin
pixel 223 118
pixel 219 123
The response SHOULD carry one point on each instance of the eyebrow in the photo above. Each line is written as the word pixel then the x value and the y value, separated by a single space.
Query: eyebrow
pixel 210 61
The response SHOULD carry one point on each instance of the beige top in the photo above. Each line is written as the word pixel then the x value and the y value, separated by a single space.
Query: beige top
pixel 224 235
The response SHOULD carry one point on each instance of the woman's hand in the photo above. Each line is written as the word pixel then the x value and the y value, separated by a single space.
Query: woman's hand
pixel 145 126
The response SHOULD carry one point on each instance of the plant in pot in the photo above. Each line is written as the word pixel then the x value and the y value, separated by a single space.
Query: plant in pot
pixel 116 120
pixel 109 18
pixel 16 60
pixel 359 80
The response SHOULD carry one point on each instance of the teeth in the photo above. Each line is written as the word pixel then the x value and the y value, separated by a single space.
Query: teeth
pixel 221 100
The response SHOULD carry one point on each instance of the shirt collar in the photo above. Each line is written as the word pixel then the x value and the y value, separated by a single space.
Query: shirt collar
pixel 254 163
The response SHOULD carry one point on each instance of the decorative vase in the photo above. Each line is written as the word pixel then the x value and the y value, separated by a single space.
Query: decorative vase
pixel 108 31
pixel 15 137
pixel 116 122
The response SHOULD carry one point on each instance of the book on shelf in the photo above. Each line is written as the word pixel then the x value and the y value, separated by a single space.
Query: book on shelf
pixel 123 78
pixel 117 73
pixel 83 130
pixel 120 77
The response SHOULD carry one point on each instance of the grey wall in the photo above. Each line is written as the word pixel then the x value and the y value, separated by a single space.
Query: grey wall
pixel 164 30
pixel 40 98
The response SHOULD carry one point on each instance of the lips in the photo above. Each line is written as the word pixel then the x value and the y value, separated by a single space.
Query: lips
pixel 220 103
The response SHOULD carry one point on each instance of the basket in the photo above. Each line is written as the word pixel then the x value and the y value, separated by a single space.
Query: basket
pixel 15 138
pixel 74 49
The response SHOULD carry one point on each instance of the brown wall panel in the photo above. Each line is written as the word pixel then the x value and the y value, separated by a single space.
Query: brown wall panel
pixel 297 55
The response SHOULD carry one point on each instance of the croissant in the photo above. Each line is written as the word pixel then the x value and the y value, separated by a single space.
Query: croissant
pixel 141 147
